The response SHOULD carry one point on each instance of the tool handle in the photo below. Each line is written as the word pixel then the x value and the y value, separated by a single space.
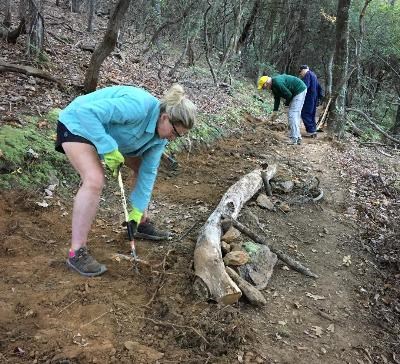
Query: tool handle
pixel 131 226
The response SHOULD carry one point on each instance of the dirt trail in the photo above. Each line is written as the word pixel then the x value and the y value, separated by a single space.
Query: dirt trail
pixel 51 315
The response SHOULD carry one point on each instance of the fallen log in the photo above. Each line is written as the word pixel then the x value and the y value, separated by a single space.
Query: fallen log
pixel 212 281
pixel 292 263
pixel 254 296
pixel 28 70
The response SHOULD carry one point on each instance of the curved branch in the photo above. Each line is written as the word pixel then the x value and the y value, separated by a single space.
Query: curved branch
pixel 376 127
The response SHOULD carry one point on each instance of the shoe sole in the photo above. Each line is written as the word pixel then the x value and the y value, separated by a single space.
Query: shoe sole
pixel 102 270
pixel 149 237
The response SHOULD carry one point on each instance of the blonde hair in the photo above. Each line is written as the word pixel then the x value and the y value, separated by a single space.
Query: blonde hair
pixel 179 108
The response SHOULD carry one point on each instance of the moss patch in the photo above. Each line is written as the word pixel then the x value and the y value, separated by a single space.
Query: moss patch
pixel 28 158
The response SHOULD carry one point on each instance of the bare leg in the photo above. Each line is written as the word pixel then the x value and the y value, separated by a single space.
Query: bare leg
pixel 85 160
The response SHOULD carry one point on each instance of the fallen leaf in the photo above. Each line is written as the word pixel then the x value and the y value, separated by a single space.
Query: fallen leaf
pixel 314 297
pixel 347 260
pixel 317 330
pixel 331 328
pixel 42 204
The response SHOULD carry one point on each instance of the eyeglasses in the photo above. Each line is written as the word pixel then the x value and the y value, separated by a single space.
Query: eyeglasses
pixel 175 131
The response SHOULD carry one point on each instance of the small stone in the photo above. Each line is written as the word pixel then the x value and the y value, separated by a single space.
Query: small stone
pixel 284 207
pixel 225 247
pixel 264 202
pixel 236 258
pixel 231 235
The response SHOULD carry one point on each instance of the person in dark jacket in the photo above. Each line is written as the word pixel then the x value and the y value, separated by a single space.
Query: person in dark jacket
pixel 293 90
pixel 314 94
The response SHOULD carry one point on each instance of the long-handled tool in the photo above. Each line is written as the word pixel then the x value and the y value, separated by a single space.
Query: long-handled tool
pixel 129 224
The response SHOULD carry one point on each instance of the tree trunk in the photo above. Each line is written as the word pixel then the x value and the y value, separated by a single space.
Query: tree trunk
pixel 106 46
pixel 35 29
pixel 7 14
pixel 395 130
pixel 328 92
pixel 206 42
pixel 75 6
pixel 233 43
pixel 246 32
pixel 92 5
pixel 337 122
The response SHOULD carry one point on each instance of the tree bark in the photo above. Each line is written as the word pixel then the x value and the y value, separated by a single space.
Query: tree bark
pixel 246 32
pixel 91 6
pixel 337 121
pixel 206 43
pixel 12 36
pixel 396 125
pixel 7 14
pixel 103 50
pixel 213 280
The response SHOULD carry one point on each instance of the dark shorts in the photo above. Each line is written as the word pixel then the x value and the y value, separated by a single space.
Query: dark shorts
pixel 64 135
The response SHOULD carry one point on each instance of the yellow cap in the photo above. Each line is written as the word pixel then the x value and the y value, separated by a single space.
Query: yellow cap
pixel 262 81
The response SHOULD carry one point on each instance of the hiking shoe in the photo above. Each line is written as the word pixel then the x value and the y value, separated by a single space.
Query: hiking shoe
pixel 311 135
pixel 85 264
pixel 299 141
pixel 292 141
pixel 146 230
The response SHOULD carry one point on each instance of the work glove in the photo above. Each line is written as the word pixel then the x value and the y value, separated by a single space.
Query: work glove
pixel 114 160
pixel 274 115
pixel 134 218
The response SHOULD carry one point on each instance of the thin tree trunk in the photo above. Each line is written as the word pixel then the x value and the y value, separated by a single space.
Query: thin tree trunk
pixel 206 43
pixel 35 29
pixel 358 48
pixel 75 6
pixel 246 32
pixel 395 129
pixel 7 15
pixel 92 5
pixel 106 46
pixel 337 122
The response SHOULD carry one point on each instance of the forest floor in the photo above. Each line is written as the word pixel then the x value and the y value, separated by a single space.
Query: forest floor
pixel 49 314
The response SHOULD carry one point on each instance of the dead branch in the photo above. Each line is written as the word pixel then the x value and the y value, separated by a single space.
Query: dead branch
pixel 253 294
pixel 292 263
pixel 160 282
pixel 376 127
pixel 28 70
pixel 170 324
pixel 322 119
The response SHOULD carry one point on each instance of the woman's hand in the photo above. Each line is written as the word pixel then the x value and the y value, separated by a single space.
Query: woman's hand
pixel 113 161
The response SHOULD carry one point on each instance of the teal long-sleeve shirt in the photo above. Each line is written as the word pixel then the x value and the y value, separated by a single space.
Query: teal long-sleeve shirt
pixel 286 86
pixel 123 118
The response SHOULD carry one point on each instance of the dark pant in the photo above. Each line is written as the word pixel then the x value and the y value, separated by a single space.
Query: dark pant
pixel 64 135
pixel 308 113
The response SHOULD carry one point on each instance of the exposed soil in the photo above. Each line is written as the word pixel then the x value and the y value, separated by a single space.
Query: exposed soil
pixel 49 314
